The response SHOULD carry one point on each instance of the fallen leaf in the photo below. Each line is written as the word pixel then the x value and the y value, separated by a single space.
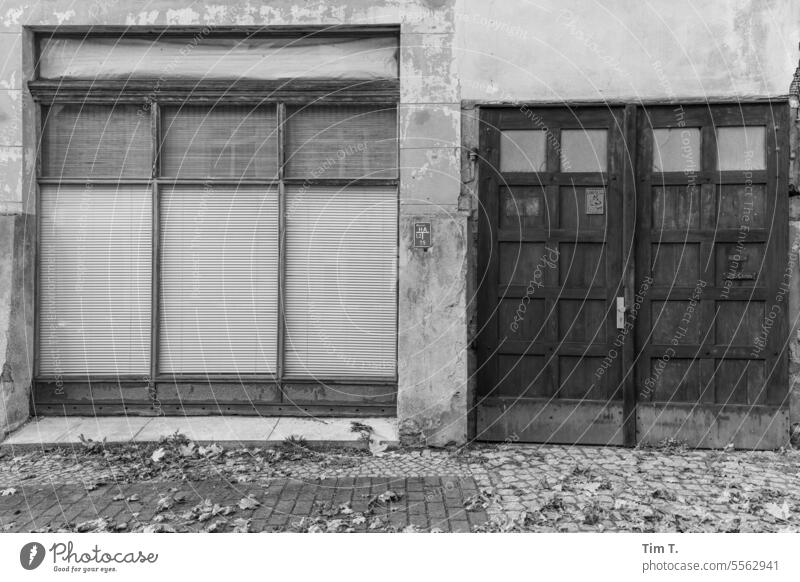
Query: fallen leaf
pixel 94 525
pixel 163 504
pixel 781 512
pixel 345 509
pixel 248 502
pixel 209 451
pixel 241 525
pixel 377 448
pixel 7 492
pixel 187 450
pixel 385 497
pixel 216 526
pixel 476 502
pixel 158 528
pixel 334 525
pixel 359 519
pixel 133 498
pixel 158 454
pixel 591 487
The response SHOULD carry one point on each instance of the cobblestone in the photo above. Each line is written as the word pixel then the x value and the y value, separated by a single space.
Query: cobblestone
pixel 481 488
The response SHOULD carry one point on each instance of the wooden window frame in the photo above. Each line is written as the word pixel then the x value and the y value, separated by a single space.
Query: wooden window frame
pixel 154 95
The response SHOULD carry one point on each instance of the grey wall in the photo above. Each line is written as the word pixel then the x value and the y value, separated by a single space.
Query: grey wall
pixel 452 51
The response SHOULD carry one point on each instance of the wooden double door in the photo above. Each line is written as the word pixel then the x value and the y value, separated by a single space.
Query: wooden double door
pixel 633 275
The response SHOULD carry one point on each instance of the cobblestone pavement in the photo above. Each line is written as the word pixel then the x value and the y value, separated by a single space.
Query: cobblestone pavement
pixel 177 486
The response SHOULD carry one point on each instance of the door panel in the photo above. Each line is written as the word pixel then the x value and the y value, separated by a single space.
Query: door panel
pixel 698 251
pixel 712 237
pixel 551 269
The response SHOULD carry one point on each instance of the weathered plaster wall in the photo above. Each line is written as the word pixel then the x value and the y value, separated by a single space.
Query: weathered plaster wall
pixel 432 403
pixel 432 286
pixel 625 49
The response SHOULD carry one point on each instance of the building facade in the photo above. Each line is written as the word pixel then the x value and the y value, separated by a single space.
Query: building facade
pixel 494 221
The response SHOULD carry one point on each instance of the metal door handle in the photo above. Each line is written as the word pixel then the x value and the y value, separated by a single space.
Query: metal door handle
pixel 620 313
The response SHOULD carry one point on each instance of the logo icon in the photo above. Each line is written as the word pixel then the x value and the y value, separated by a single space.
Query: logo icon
pixel 32 555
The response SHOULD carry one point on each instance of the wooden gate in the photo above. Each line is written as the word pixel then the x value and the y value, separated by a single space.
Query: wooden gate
pixel 713 222
pixel 632 269
pixel 550 250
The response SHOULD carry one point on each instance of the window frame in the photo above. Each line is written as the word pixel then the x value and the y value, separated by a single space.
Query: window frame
pixel 261 93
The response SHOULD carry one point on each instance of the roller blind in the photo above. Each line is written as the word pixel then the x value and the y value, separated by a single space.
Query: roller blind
pixel 223 141
pixel 94 277
pixel 84 140
pixel 342 141
pixel 341 282
pixel 219 280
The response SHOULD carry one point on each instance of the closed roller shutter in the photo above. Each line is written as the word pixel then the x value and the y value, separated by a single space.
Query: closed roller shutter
pixel 94 277
pixel 219 280
pixel 341 281
pixel 342 141
pixel 236 141
pixel 99 141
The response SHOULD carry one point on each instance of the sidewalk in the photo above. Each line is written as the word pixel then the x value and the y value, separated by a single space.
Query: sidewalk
pixel 223 430
pixel 178 485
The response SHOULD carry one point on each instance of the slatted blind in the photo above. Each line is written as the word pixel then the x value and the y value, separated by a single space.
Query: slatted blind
pixel 235 141
pixel 342 141
pixel 85 140
pixel 219 280
pixel 341 281
pixel 94 280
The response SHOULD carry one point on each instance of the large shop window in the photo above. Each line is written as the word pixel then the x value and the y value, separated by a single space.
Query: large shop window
pixel 232 239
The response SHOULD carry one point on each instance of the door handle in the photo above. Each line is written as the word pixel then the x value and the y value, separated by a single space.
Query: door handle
pixel 620 313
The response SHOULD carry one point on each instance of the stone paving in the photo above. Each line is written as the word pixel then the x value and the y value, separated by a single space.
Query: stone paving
pixel 177 486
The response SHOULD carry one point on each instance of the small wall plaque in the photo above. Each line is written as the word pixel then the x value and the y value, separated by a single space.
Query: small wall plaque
pixel 595 201
pixel 422 235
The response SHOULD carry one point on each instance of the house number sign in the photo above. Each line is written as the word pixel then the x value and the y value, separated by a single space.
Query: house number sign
pixel 422 235
pixel 595 201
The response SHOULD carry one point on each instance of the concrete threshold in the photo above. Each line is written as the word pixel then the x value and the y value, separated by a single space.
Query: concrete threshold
pixel 231 431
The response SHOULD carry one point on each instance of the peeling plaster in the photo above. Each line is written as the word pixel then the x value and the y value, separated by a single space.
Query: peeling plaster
pixel 145 18
pixel 12 17
pixel 63 17
pixel 182 16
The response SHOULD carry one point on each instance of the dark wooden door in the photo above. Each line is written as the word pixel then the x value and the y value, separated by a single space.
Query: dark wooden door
pixel 550 272
pixel 713 267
